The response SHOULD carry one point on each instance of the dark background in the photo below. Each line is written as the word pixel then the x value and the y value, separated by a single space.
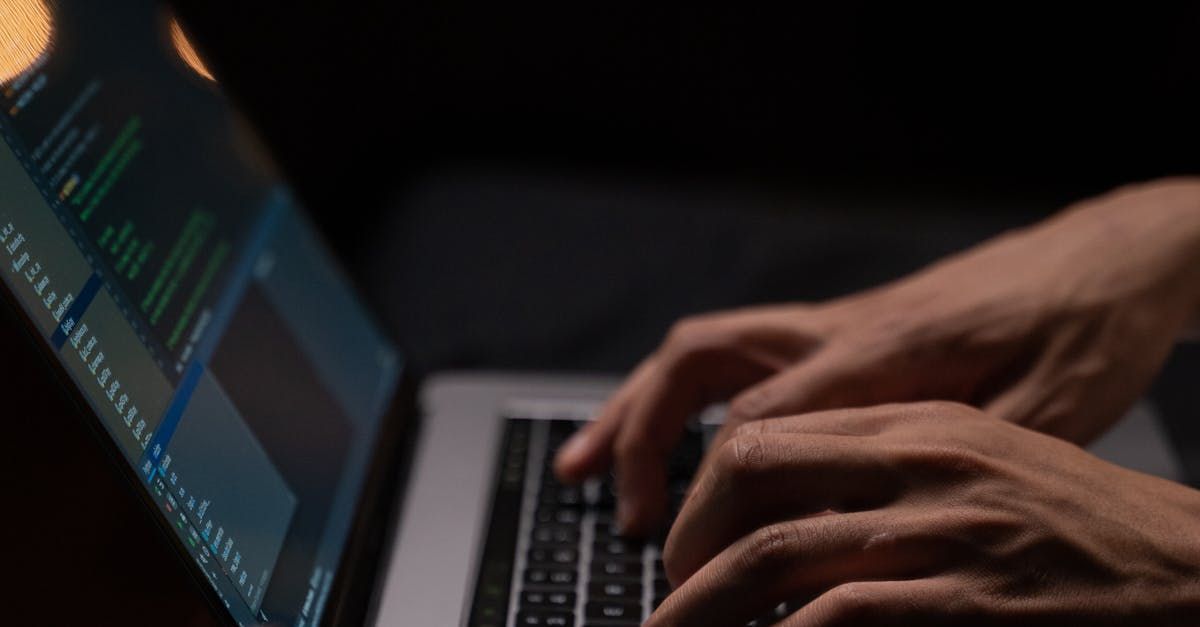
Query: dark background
pixel 549 185
pixel 362 99
pixel 480 165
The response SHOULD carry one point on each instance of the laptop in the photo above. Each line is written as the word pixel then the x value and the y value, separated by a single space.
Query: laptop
pixel 265 420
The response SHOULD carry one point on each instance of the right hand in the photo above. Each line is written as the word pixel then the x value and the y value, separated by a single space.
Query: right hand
pixel 1059 327
pixel 927 514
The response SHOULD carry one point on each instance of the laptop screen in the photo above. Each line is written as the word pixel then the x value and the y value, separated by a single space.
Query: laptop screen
pixel 146 238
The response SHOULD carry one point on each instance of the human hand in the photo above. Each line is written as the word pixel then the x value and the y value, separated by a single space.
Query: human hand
pixel 928 514
pixel 1059 327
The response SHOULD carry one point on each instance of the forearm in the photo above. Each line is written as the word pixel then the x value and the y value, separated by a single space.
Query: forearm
pixel 1151 234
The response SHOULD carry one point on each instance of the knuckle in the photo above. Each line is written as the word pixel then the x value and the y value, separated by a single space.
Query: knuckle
pixel 687 333
pixel 953 458
pixel 766 548
pixel 748 452
pixel 739 459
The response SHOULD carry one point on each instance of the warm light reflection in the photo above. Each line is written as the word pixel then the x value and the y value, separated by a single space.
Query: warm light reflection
pixel 187 52
pixel 25 28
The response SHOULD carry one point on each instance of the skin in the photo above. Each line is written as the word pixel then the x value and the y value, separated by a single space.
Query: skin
pixel 928 514
pixel 1058 327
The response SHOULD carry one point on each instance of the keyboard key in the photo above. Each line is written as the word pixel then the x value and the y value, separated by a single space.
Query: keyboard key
pixel 553 556
pixel 607 530
pixel 537 576
pixel 563 577
pixel 603 590
pixel 606 496
pixel 612 610
pixel 556 600
pixel 546 515
pixel 617 547
pixel 555 534
pixel 615 589
pixel 568 496
pixel 617 569
pixel 538 618
pixel 550 576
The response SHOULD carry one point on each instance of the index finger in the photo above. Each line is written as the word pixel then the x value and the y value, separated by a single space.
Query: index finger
pixel 589 450
pixel 798 560
pixel 755 480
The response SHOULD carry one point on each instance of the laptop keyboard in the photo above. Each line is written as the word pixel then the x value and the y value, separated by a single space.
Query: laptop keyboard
pixel 553 556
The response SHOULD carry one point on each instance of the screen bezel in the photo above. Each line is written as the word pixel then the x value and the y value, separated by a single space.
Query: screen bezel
pixel 375 509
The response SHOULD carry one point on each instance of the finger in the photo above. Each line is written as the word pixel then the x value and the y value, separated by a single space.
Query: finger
pixel 819 383
pixel 872 603
pixel 757 480
pixel 857 422
pixel 849 421
pixel 652 428
pixel 589 450
pixel 760 401
pixel 745 362
pixel 688 375
pixel 833 378
pixel 854 421
pixel 847 376
pixel 641 483
pixel 865 421
pixel 800 559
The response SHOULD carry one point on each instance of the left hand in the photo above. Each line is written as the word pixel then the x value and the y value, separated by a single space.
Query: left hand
pixel 928 514
pixel 1058 327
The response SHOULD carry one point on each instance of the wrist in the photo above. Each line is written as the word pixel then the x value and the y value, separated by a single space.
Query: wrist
pixel 1151 233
